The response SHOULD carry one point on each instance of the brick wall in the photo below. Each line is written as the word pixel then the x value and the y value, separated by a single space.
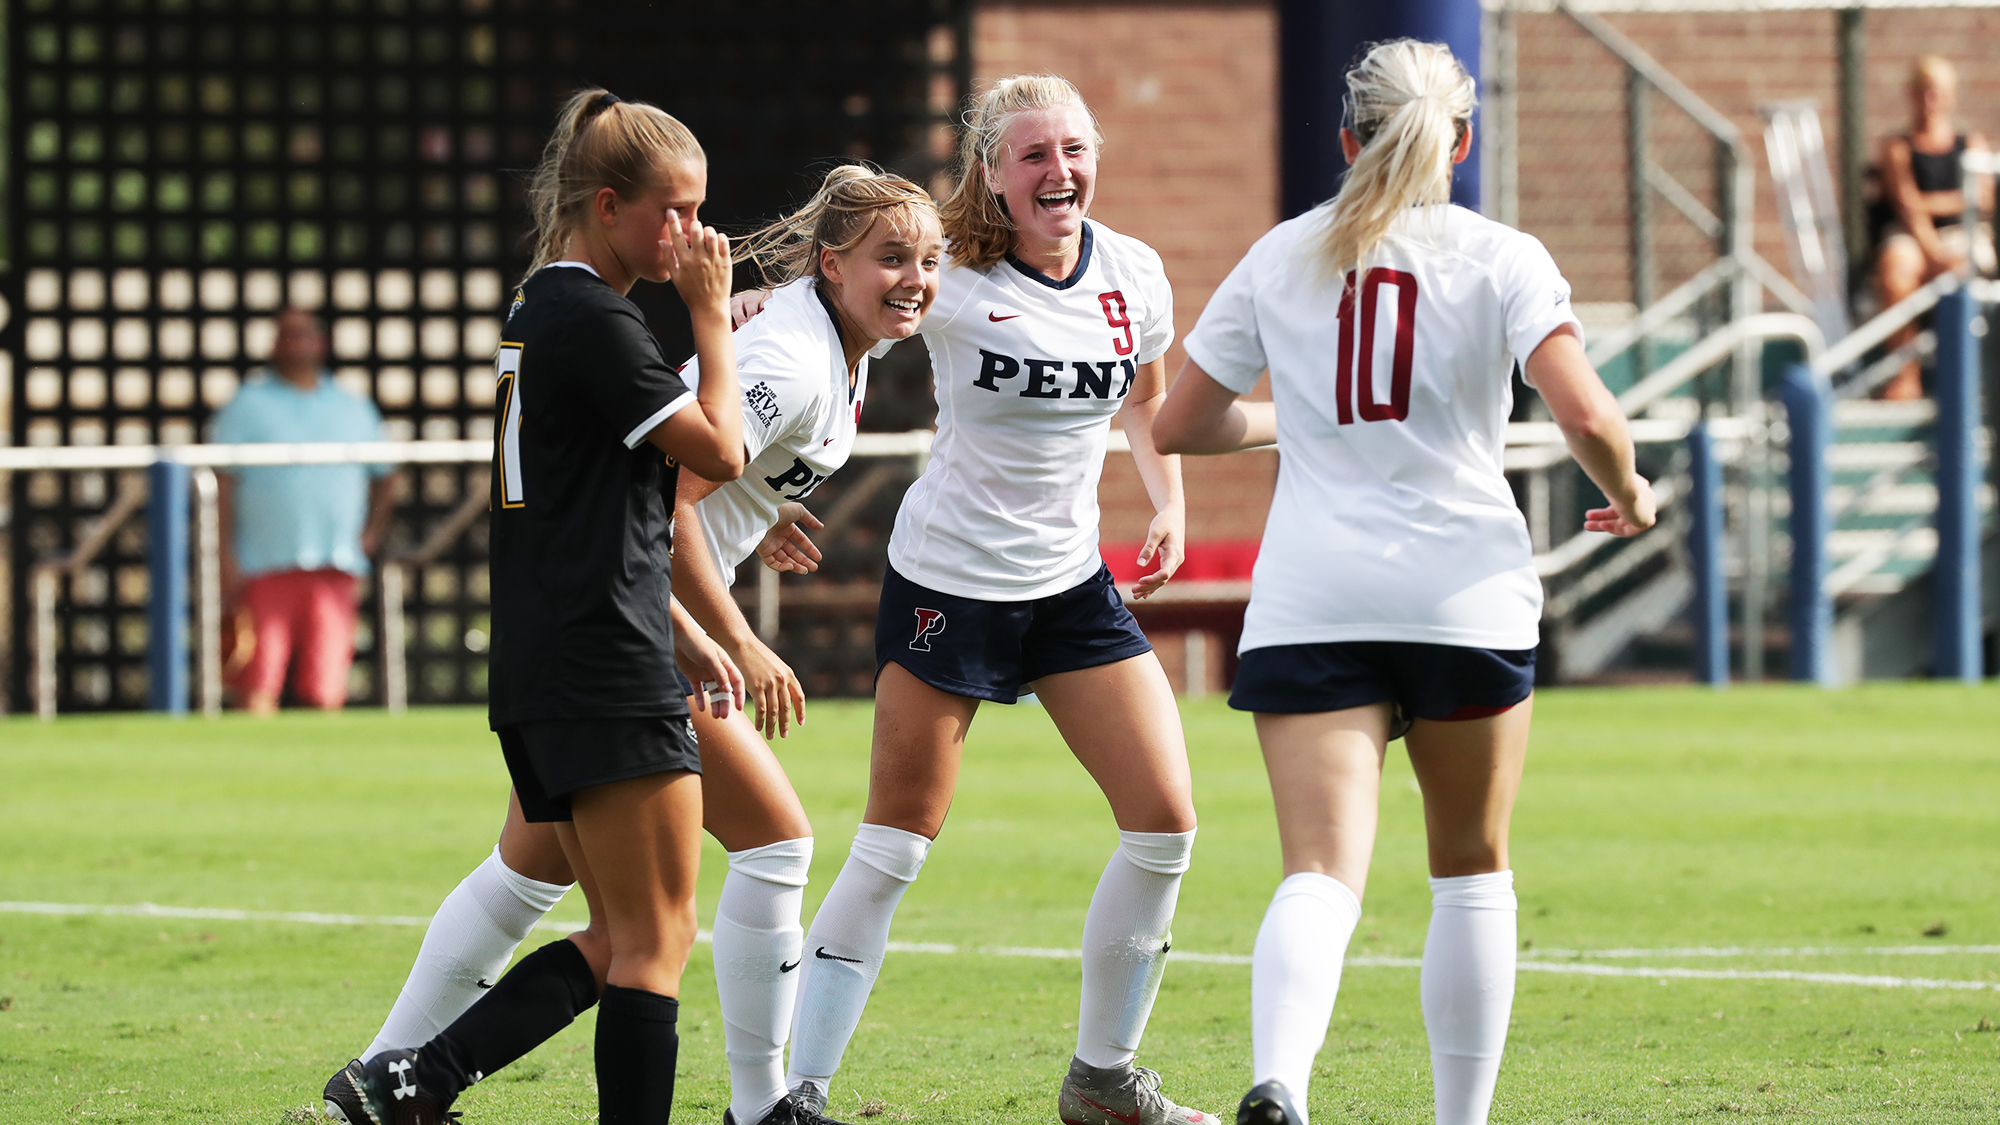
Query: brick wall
pixel 1572 156
pixel 1187 96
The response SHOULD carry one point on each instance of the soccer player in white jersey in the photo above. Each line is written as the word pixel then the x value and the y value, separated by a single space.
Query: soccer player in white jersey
pixel 1396 581
pixel 1046 326
pixel 859 265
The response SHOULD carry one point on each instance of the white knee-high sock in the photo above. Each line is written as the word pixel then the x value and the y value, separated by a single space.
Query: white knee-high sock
pixel 1468 990
pixel 1125 940
pixel 757 939
pixel 470 940
pixel 843 953
pixel 1295 976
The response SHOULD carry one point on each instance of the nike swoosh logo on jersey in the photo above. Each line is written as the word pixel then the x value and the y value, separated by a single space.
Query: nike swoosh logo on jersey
pixel 997 318
pixel 784 968
pixel 823 955
pixel 484 983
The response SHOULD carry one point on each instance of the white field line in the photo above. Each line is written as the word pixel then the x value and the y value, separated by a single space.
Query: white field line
pixel 1535 964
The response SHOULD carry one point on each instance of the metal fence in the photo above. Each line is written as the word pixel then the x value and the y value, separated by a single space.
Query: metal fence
pixel 180 169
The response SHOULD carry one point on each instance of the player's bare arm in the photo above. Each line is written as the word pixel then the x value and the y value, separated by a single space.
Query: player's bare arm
pixel 1166 538
pixel 1595 429
pixel 711 434
pixel 1203 416
pixel 769 683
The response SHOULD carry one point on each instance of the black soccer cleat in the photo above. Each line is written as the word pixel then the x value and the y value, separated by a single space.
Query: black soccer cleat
pixel 789 1111
pixel 1268 1103
pixel 391 1095
pixel 344 1102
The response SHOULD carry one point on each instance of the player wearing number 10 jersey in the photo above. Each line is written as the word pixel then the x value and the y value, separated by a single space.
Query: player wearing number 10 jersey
pixel 1396 581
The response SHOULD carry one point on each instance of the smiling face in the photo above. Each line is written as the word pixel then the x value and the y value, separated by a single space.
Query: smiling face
pixel 1045 170
pixel 885 283
pixel 634 227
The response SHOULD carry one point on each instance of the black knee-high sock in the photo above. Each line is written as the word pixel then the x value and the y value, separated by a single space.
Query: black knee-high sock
pixel 534 1000
pixel 636 1048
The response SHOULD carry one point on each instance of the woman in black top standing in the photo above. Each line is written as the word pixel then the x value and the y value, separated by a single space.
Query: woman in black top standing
pixel 1925 185
pixel 593 426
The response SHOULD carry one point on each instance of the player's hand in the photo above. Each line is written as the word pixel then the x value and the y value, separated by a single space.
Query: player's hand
pixel 745 305
pixel 785 548
pixel 718 682
pixel 1629 519
pixel 1166 540
pixel 698 258
pixel 773 688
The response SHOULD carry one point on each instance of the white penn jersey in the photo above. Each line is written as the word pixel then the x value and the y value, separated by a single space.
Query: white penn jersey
pixel 799 418
pixel 1392 519
pixel 1028 373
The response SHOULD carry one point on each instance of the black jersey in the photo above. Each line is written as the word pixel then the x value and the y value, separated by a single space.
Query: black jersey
pixel 582 508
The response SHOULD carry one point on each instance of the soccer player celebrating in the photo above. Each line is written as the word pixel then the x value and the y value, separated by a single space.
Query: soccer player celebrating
pixel 593 722
pixel 1046 326
pixel 1396 580
pixel 858 267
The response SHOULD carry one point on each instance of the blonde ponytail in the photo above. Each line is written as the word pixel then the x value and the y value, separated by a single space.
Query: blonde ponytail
pixel 838 216
pixel 599 142
pixel 1409 104
pixel 976 227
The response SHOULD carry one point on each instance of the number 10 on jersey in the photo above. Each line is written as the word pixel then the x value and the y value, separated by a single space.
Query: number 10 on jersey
pixel 1354 383
pixel 509 395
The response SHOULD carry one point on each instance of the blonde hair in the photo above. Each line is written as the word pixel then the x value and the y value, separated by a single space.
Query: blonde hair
pixel 600 142
pixel 1933 69
pixel 1409 104
pixel 976 227
pixel 838 216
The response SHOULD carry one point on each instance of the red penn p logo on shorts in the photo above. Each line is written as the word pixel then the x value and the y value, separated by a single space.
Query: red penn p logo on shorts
pixel 929 621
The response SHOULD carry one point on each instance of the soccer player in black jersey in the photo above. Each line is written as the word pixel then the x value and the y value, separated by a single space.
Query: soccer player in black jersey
pixel 591 712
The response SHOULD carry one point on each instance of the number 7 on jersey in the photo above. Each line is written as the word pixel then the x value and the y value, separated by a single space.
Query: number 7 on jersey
pixel 509 395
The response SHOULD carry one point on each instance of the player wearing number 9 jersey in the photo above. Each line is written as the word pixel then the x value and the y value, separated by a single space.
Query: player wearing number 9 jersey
pixel 1396 582
pixel 1046 325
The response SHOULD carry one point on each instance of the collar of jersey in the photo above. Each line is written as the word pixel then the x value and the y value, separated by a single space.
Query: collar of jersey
pixel 584 266
pixel 851 382
pixel 1075 275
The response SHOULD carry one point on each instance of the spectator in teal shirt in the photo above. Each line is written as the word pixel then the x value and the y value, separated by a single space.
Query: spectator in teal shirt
pixel 296 539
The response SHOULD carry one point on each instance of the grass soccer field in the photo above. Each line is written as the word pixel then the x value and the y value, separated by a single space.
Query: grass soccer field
pixel 1763 902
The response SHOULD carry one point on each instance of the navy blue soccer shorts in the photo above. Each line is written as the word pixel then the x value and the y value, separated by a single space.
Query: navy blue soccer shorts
pixel 993 650
pixel 1443 683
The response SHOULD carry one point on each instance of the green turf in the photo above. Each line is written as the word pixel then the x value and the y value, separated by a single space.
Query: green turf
pixel 1650 818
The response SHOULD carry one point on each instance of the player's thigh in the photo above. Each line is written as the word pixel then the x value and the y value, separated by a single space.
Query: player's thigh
pixel 1326 783
pixel 1121 722
pixel 914 759
pixel 1470 774
pixel 747 801
pixel 640 840
pixel 533 850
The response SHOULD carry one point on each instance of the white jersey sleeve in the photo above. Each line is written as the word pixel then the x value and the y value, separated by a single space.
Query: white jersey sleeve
pixel 1534 296
pixel 1156 330
pixel 1225 342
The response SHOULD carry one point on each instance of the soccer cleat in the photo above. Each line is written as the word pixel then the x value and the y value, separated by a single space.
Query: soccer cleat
pixel 344 1102
pixel 808 1097
pixel 792 1109
pixel 1127 1096
pixel 1268 1103
pixel 391 1096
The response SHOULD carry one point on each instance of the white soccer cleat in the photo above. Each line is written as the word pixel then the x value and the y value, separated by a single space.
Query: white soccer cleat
pixel 1127 1096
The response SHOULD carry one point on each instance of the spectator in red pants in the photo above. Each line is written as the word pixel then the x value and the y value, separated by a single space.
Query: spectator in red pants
pixel 297 538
